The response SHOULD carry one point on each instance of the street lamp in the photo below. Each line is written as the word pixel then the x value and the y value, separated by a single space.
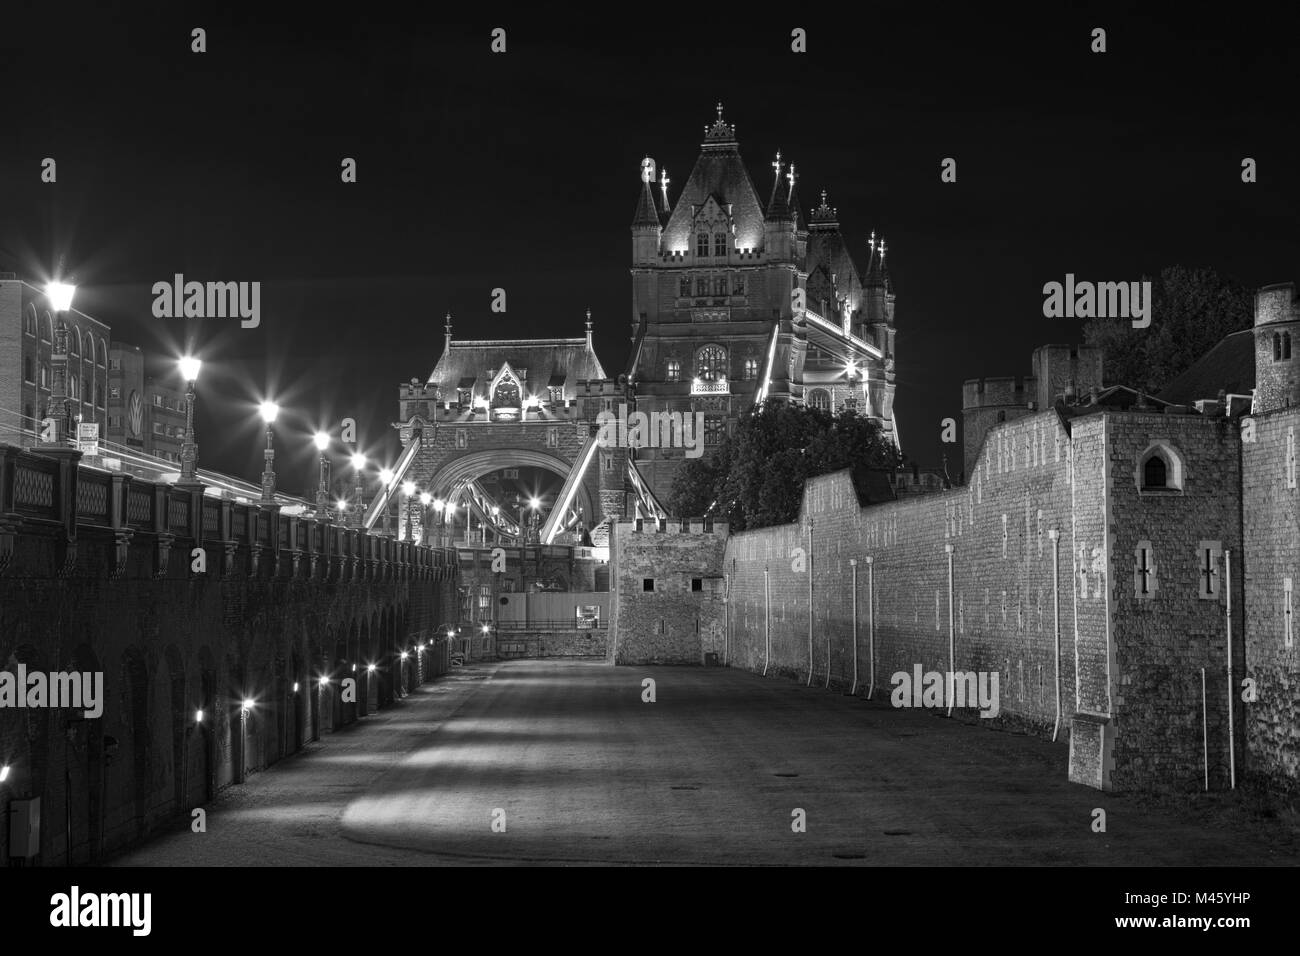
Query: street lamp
pixel 359 466
pixel 58 410
pixel 269 411
pixel 322 440
pixel 189 367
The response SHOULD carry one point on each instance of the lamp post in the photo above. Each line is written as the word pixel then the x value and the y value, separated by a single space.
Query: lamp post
pixel 535 505
pixel 408 489
pixel 269 412
pixel 496 529
pixel 358 466
pixel 426 499
pixel 322 440
pixel 189 366
pixel 58 410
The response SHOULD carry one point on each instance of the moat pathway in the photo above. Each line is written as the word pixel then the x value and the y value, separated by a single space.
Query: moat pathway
pixel 585 771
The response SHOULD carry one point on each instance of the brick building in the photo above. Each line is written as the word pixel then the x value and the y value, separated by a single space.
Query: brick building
pixel 144 414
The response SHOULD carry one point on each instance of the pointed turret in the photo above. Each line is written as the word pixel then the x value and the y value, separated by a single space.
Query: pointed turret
pixel 778 225
pixel 646 230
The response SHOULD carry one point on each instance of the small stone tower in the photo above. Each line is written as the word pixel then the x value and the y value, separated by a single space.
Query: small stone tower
pixel 1277 348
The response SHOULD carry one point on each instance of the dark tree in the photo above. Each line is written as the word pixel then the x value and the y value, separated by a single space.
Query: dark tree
pixel 1192 309
pixel 757 477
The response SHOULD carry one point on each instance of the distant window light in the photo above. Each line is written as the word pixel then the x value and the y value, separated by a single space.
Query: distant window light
pixel 674 372
pixel 819 399
pixel 751 368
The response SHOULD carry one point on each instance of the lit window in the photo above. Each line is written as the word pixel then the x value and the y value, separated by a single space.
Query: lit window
pixel 714 430
pixel 751 368
pixel 45 375
pixel 711 363
pixel 702 244
pixel 674 373
pixel 819 399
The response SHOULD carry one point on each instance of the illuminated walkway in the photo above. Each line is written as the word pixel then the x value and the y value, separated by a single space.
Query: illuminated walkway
pixel 710 772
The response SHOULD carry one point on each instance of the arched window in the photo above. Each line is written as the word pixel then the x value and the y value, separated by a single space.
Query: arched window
pixel 102 356
pixel 88 347
pixel 720 244
pixel 820 399
pixel 711 363
pixel 29 321
pixel 1160 468
pixel 1154 473
pixel 45 376
pixel 99 395
pixel 29 374
pixel 47 329
pixel 73 388
pixel 702 244
pixel 1277 347
pixel 74 341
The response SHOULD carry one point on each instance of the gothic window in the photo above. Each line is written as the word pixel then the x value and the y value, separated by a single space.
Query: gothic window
pixel 701 286
pixel 714 430
pixel 711 363
pixel 738 285
pixel 819 399
pixel 684 287
pixel 88 348
pixel 702 244
pixel 556 393
pixel 751 368
pixel 719 285
pixel 1286 345
pixel 47 333
pixel 506 394
pixel 720 244
pixel 29 322
pixel 73 337
pixel 1277 347
pixel 102 355
pixel 1160 468
pixel 74 387
pixel 674 372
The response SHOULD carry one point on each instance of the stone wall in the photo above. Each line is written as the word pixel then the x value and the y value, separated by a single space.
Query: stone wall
pixel 667 585
pixel 101 575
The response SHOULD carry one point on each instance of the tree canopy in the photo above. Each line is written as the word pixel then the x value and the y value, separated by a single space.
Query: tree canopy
pixel 1192 309
pixel 756 477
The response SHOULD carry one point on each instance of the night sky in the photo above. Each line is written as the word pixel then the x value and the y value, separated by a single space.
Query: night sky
pixel 479 170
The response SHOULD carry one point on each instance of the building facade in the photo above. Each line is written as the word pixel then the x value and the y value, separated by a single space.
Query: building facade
pixel 736 300
pixel 144 414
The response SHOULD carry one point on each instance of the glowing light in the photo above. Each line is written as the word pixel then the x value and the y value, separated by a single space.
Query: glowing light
pixel 60 294
pixel 324 681
pixel 269 411
pixel 342 505
pixel 295 687
pixel 408 488
pixel 248 703
pixel 425 498
pixel 354 668
pixel 198 716
pixel 534 503
pixel 322 440
pixel 370 668
pixel 385 476
pixel 358 460
pixel 190 367
pixel 439 504
pixel 485 628
pixel 405 655
pixel 4 773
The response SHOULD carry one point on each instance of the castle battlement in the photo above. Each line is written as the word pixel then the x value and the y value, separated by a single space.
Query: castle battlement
pixel 691 526
pixel 998 391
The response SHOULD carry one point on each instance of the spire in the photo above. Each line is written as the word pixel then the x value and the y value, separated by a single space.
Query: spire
pixel 877 273
pixel 796 213
pixel 446 342
pixel 589 328
pixel 646 215
pixel 663 185
pixel 778 210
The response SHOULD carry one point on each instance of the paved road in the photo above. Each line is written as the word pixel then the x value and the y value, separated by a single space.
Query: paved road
pixel 580 769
